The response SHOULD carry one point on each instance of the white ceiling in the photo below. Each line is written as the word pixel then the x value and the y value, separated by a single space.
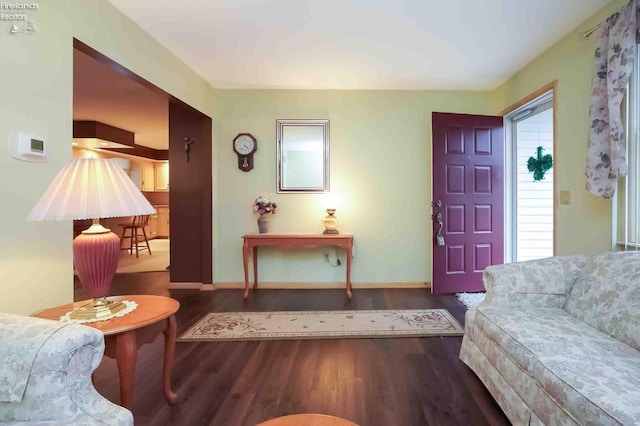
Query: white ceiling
pixel 358 44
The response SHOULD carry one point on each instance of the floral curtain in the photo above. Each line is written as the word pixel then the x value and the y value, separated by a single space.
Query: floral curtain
pixel 613 63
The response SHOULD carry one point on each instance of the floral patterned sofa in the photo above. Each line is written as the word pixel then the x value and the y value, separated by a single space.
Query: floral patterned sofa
pixel 556 341
pixel 45 374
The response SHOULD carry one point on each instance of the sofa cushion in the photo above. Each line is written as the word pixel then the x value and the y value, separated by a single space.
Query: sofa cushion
pixel 594 390
pixel 555 349
pixel 527 388
pixel 607 295
pixel 524 334
pixel 512 389
pixel 541 282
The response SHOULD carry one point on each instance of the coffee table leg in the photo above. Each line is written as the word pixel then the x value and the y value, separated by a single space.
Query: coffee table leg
pixel 126 356
pixel 169 346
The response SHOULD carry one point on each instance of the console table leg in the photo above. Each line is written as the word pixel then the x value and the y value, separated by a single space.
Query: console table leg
pixel 245 261
pixel 349 256
pixel 255 267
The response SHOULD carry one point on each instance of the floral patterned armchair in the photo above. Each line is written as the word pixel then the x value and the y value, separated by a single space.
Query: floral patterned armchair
pixel 45 374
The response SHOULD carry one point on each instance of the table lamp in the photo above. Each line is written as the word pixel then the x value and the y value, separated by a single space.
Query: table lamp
pixel 93 188
pixel 330 202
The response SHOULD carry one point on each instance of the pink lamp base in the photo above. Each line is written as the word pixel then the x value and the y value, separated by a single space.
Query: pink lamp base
pixel 96 260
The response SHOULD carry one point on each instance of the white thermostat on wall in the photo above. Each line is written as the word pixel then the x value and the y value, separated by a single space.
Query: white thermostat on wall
pixel 27 147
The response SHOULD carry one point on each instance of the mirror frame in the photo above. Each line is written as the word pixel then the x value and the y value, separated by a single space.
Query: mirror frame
pixel 280 124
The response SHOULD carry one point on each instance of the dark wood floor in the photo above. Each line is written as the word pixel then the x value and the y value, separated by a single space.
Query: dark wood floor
pixel 396 381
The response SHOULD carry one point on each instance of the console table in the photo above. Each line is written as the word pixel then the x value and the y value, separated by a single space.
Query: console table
pixel 303 241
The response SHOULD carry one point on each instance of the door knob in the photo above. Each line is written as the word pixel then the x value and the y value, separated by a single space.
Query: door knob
pixel 439 237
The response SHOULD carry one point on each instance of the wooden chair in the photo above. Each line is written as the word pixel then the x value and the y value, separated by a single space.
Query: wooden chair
pixel 137 235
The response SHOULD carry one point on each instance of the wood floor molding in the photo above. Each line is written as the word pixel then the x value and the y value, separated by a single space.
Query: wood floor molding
pixel 319 285
pixel 295 285
pixel 185 286
pixel 536 94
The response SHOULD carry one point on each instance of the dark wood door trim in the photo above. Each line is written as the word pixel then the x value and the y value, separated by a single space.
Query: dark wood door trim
pixel 90 51
pixel 207 205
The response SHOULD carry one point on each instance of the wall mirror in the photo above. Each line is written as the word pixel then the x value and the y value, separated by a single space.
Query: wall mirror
pixel 303 155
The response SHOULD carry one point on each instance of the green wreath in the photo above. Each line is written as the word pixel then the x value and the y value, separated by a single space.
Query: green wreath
pixel 539 164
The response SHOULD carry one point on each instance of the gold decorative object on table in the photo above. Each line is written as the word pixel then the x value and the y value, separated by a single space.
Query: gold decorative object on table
pixel 330 222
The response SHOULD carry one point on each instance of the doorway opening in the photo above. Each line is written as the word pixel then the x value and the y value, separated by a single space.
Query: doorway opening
pixel 530 200
pixel 118 118
pixel 188 250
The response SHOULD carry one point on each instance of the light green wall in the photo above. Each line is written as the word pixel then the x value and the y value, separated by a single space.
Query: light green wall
pixel 380 165
pixel 36 85
pixel 584 226
pixel 380 157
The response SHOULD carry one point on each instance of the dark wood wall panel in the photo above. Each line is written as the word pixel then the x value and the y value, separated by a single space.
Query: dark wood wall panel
pixel 95 129
pixel 143 151
pixel 190 201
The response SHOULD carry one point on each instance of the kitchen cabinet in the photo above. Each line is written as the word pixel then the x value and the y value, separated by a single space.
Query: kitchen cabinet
pixel 162 176
pixel 152 228
pixel 163 222
pixel 148 176
pixel 155 176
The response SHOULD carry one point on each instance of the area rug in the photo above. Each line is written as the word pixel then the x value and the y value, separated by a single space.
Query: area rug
pixel 284 325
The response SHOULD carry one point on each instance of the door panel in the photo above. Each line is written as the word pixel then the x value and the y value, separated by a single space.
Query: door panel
pixel 468 181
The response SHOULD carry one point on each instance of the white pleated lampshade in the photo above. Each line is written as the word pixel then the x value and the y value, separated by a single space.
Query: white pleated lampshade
pixel 90 188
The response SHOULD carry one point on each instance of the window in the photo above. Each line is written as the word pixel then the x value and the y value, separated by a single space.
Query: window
pixel 530 206
pixel 626 203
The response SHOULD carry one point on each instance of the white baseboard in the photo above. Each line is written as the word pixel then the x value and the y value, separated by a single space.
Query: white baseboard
pixel 317 285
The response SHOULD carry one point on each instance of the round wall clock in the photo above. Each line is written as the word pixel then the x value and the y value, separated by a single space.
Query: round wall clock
pixel 245 145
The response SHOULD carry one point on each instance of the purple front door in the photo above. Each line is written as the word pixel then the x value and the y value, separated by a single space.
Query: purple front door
pixel 467 200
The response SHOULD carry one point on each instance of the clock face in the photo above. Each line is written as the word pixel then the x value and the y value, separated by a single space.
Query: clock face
pixel 244 144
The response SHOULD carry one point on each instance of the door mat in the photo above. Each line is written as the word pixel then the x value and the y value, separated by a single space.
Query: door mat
pixel 286 325
pixel 471 300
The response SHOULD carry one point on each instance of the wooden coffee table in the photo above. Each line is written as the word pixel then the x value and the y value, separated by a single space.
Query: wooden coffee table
pixel 308 420
pixel 124 335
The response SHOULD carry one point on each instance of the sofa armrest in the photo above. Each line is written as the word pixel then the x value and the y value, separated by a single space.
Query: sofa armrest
pixel 59 386
pixel 541 283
